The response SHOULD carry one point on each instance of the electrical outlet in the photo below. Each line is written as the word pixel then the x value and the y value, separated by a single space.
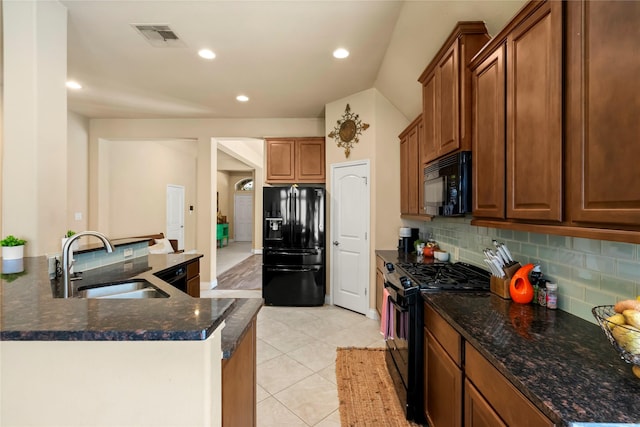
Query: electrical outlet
pixel 128 252
pixel 456 253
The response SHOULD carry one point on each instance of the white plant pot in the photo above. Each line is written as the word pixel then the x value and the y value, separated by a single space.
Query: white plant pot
pixel 74 245
pixel 12 252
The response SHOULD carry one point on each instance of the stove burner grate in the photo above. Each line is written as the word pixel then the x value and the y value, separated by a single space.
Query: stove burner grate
pixel 445 276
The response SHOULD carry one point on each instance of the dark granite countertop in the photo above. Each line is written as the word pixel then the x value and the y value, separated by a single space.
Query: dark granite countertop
pixel 562 363
pixel 30 312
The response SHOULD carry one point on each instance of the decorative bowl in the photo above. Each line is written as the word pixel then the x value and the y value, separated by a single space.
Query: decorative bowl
pixel 602 313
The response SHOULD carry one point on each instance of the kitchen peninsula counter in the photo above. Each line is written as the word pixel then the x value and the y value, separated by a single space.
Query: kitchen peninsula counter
pixel 31 313
pixel 112 358
pixel 563 364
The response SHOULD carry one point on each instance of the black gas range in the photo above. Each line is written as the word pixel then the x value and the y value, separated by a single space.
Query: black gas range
pixel 445 276
pixel 404 282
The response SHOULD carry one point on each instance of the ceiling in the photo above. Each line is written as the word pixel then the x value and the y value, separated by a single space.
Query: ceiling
pixel 278 53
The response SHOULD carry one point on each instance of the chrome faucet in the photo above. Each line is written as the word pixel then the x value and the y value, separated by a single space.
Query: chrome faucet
pixel 67 260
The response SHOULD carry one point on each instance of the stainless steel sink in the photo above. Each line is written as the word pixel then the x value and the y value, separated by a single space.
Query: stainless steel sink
pixel 130 289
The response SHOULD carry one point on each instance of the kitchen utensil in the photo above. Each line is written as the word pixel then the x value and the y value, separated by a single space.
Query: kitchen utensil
pixel 492 267
pixel 507 252
pixel 520 289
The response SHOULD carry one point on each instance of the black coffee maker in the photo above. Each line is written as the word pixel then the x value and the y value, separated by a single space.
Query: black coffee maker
pixel 408 237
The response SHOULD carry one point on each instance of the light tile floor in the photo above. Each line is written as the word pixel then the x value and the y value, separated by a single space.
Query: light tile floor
pixel 296 355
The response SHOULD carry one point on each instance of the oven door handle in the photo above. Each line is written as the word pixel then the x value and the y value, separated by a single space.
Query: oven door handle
pixel 400 308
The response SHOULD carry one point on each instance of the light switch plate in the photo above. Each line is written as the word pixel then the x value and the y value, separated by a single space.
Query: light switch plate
pixel 128 252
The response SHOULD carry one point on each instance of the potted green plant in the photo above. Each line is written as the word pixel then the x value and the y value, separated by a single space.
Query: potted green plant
pixel 66 236
pixel 12 247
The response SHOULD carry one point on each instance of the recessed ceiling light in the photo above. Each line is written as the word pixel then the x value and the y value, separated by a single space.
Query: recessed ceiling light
pixel 242 98
pixel 340 53
pixel 73 85
pixel 206 54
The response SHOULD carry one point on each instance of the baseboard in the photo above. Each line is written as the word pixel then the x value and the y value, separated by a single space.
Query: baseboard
pixel 373 314
pixel 256 251
pixel 327 299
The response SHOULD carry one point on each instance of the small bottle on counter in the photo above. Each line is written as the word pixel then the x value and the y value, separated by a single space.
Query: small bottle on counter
pixel 552 296
pixel 542 293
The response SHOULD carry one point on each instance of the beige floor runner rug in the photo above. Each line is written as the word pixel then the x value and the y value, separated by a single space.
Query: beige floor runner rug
pixel 365 390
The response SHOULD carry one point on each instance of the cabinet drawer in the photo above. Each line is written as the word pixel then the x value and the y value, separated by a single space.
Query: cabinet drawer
pixel 448 338
pixel 511 405
pixel 193 269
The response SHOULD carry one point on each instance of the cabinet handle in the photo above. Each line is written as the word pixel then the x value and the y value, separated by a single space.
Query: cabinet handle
pixel 336 243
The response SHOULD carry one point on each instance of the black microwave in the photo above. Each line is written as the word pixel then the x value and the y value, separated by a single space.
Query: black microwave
pixel 447 185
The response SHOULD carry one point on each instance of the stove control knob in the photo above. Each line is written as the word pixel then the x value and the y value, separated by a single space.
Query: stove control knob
pixel 405 281
pixel 390 266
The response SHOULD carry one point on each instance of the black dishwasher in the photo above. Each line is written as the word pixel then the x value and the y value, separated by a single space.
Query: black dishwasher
pixel 177 277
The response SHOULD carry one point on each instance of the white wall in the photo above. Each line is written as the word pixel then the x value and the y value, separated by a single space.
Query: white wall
pixel 138 173
pixel 380 144
pixel 77 171
pixel 35 126
pixel 204 131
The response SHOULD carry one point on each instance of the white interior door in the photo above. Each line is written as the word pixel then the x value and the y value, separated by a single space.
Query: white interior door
pixel 243 217
pixel 350 212
pixel 175 214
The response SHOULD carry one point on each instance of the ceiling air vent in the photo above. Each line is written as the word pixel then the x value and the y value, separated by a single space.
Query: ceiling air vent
pixel 159 35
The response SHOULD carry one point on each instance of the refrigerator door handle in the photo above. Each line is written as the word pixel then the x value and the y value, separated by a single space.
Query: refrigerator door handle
pixel 298 253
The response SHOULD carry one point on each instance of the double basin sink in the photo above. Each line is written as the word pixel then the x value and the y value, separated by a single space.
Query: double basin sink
pixel 129 289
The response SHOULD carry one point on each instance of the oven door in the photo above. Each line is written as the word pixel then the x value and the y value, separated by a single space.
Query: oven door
pixel 397 355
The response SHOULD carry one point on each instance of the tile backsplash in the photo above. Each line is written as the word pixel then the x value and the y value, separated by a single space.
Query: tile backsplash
pixel 89 260
pixel 588 272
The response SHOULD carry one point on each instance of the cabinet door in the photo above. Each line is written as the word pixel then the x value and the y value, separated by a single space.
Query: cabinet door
pixel 534 116
pixel 428 150
pixel 489 136
pixel 448 101
pixel 443 396
pixel 404 176
pixel 477 412
pixel 379 289
pixel 239 383
pixel 421 207
pixel 603 109
pixel 280 160
pixel 413 164
pixel 309 160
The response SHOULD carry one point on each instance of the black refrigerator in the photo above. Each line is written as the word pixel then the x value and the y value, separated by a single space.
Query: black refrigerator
pixel 293 255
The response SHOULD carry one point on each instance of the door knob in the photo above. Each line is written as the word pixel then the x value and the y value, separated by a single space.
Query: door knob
pixel 336 243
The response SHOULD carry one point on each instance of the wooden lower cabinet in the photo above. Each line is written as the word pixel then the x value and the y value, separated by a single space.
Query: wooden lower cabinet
pixel 508 403
pixel 193 279
pixel 443 371
pixel 477 412
pixel 443 386
pixel 239 383
pixel 462 388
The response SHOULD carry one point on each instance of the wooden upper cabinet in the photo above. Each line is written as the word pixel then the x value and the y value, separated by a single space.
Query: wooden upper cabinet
pixel 603 112
pixel 295 160
pixel 489 134
pixel 446 92
pixel 310 161
pixel 534 116
pixel 410 168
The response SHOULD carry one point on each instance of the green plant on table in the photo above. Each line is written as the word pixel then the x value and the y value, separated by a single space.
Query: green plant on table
pixel 69 233
pixel 11 240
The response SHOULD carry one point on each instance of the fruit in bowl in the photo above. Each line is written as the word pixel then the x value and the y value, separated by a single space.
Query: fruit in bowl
pixel 621 325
